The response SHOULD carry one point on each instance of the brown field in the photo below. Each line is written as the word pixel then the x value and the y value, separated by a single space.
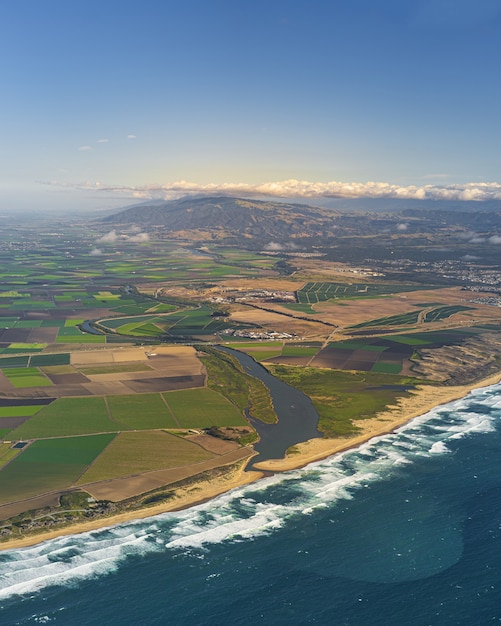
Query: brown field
pixel 352 312
pixel 213 444
pixel 37 502
pixel 280 323
pixel 67 379
pixel 171 368
pixel 122 488
pixel 289 360
pixel 43 335
pixel 272 284
pixel 133 453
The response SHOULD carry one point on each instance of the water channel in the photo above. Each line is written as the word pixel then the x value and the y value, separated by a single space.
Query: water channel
pixel 297 417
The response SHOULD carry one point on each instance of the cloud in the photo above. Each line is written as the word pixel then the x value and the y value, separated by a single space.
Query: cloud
pixel 495 239
pixel 130 136
pixel 95 252
pixel 84 148
pixel 140 237
pixel 274 246
pixel 402 227
pixel 303 189
pixel 109 237
pixel 103 141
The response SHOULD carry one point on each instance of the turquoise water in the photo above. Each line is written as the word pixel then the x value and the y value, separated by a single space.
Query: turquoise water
pixel 405 529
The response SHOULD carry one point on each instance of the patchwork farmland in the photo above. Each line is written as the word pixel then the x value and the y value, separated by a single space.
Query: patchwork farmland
pixel 101 405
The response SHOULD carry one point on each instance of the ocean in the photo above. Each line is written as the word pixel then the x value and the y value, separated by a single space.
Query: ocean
pixel 405 529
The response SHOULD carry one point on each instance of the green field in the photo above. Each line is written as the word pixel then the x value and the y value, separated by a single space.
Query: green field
pixel 392 320
pixel 26 377
pixel 140 412
pixel 68 416
pixel 7 453
pixel 135 453
pixel 49 464
pixel 314 292
pixel 444 312
pixel 203 408
pixel 20 411
pixel 13 361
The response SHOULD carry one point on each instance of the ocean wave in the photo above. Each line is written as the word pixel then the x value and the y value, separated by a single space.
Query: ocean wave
pixel 254 510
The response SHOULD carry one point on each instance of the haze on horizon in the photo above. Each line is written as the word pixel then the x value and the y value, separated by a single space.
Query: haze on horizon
pixel 108 103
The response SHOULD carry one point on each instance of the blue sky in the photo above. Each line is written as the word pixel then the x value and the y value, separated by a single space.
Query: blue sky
pixel 106 101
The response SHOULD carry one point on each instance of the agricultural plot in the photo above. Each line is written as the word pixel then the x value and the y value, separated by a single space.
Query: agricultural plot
pixel 388 354
pixel 66 417
pixel 20 410
pixel 7 453
pixel 26 377
pixel 135 453
pixel 140 412
pixel 314 292
pixel 444 312
pixel 49 464
pixel 403 319
pixel 185 322
pixel 377 355
pixel 203 408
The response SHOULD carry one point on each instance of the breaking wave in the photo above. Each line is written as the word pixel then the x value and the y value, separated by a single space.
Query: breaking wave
pixel 253 510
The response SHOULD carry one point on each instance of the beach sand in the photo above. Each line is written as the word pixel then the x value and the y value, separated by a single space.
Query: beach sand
pixel 422 400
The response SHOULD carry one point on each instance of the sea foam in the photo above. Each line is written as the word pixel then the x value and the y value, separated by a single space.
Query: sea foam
pixel 253 510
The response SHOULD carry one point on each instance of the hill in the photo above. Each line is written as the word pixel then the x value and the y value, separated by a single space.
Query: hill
pixel 230 217
pixel 349 235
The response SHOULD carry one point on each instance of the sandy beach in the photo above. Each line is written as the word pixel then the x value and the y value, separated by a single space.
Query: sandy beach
pixel 422 400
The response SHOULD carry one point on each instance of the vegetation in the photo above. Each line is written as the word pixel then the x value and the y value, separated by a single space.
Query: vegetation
pixel 227 377
pixel 49 464
pixel 202 408
pixel 341 397
pixel 67 416
pixel 136 453
pixel 140 412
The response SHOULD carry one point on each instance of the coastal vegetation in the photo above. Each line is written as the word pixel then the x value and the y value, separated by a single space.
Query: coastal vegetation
pixel 114 392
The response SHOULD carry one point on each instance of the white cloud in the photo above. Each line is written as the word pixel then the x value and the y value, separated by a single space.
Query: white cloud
pixel 103 141
pixel 140 237
pixel 402 227
pixel 95 252
pixel 130 136
pixel 109 237
pixel 495 239
pixel 84 148
pixel 304 189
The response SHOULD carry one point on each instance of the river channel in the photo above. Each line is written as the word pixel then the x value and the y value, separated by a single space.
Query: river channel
pixel 297 417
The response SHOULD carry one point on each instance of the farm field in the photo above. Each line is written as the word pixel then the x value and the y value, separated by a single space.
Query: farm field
pixel 390 354
pixel 96 407
pixel 49 464
pixel 135 453
pixel 203 408
pixel 49 428
pixel 314 292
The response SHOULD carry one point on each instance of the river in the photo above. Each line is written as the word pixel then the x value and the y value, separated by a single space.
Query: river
pixel 297 417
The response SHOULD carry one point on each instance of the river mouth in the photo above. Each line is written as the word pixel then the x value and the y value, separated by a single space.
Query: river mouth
pixel 297 417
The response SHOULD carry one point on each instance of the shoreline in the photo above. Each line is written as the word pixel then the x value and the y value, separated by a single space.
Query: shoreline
pixel 420 402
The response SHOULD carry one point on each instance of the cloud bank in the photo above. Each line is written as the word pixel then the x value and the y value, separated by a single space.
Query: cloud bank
pixel 292 188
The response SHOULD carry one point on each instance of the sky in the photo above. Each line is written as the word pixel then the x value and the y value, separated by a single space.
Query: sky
pixel 105 103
